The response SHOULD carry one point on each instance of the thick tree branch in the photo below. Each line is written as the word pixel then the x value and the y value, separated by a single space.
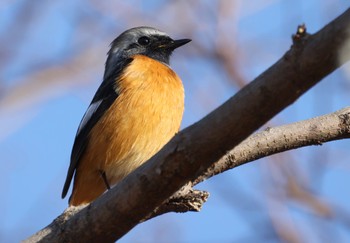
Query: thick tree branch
pixel 315 131
pixel 197 147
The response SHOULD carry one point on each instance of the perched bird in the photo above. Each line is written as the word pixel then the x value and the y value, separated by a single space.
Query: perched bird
pixel 136 110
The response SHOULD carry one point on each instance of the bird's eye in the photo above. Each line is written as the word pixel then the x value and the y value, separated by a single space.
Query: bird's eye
pixel 144 41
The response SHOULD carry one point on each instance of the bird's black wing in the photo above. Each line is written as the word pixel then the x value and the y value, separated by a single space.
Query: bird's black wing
pixel 103 99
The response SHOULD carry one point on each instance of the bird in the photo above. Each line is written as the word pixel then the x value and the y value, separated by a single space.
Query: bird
pixel 136 110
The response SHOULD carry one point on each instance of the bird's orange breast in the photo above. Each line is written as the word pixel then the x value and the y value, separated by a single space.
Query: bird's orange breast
pixel 144 117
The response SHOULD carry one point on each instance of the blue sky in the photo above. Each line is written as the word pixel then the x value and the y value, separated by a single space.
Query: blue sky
pixel 38 120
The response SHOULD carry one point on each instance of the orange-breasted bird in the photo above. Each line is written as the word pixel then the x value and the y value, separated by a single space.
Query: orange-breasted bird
pixel 136 110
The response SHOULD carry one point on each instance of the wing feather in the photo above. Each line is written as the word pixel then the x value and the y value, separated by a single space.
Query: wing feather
pixel 103 99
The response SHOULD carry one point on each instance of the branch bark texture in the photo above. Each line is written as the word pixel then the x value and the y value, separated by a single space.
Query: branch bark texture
pixel 315 131
pixel 196 148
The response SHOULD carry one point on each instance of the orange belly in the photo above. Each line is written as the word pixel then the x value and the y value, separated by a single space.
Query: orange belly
pixel 144 117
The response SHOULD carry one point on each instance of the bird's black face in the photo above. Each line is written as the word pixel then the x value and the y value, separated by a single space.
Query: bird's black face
pixel 141 41
pixel 158 47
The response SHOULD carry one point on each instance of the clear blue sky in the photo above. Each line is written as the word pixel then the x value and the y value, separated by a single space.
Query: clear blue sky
pixel 37 126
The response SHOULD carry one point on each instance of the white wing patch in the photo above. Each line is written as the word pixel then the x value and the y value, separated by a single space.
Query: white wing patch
pixel 88 114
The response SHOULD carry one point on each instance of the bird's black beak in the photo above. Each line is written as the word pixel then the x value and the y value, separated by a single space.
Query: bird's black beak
pixel 175 44
pixel 178 43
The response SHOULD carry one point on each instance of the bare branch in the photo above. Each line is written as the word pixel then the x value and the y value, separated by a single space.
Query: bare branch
pixel 315 131
pixel 197 147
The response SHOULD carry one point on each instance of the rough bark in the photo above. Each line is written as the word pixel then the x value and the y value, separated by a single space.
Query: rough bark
pixel 315 131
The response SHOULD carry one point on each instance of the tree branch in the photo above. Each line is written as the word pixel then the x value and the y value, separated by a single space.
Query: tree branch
pixel 314 131
pixel 196 148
